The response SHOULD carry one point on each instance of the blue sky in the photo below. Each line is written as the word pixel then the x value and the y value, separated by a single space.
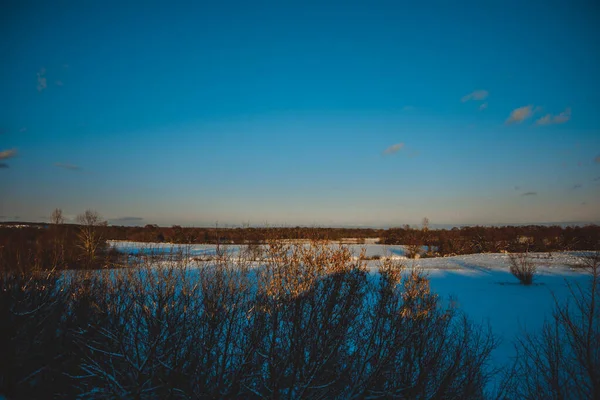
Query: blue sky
pixel 311 113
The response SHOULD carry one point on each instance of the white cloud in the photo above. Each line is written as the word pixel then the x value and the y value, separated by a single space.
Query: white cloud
pixel 6 154
pixel 545 120
pixel 477 95
pixel 394 148
pixel 550 119
pixel 483 106
pixel 41 80
pixel 520 114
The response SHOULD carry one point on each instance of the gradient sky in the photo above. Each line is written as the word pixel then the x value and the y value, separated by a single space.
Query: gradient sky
pixel 308 112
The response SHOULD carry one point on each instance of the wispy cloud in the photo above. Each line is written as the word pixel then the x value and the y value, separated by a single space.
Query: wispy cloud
pixel 597 159
pixel 41 80
pixel 477 95
pixel 59 83
pixel 577 186
pixel 3 165
pixel 550 119
pixel 70 167
pixel 596 179
pixel 393 148
pixel 23 130
pixel 517 187
pixel 520 114
pixel 409 108
pixel 529 194
pixel 483 106
pixel 6 154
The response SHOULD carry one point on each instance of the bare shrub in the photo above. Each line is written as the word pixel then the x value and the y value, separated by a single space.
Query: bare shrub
pixel 414 348
pixel 309 323
pixel 254 251
pixel 91 241
pixel 413 251
pixel 309 299
pixel 33 333
pixel 371 257
pixel 522 267
pixel 563 360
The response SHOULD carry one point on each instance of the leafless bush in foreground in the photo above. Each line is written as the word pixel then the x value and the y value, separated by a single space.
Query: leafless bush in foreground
pixel 563 360
pixel 33 332
pixel 309 323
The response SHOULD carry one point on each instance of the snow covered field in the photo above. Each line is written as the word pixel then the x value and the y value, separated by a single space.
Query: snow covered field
pixel 480 284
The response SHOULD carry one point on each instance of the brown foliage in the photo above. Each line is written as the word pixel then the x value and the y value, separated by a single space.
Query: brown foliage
pixel 309 323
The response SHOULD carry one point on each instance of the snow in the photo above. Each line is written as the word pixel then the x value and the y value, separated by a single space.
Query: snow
pixel 481 285
pixel 196 250
pixel 496 297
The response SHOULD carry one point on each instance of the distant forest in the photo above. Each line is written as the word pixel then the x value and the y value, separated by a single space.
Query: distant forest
pixel 45 245
pixel 466 240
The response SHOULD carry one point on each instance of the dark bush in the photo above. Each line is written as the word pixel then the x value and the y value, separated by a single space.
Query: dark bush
pixel 563 360
pixel 311 323
pixel 522 267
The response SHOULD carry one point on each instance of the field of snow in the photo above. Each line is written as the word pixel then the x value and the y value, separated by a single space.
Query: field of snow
pixel 480 284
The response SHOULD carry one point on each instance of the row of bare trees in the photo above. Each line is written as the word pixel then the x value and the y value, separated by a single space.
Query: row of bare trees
pixel 237 235
pixel 56 246
pixel 424 241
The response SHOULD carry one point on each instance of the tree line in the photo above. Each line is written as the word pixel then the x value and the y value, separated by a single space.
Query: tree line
pixel 84 244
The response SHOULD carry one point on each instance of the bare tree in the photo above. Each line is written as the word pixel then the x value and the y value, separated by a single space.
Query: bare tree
pixel 57 217
pixel 90 236
pixel 426 235
pixel 425 224
pixel 58 239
